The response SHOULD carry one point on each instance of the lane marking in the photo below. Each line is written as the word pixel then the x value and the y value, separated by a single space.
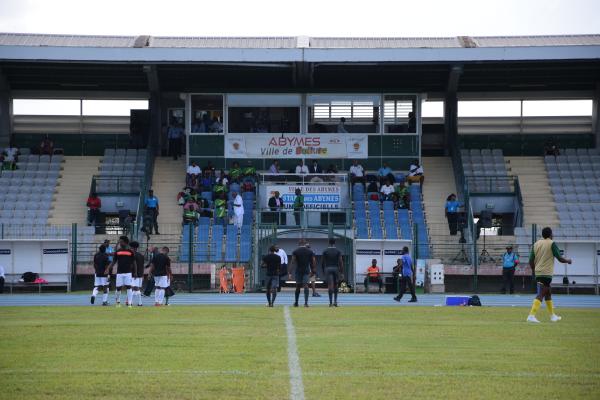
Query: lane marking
pixel 296 385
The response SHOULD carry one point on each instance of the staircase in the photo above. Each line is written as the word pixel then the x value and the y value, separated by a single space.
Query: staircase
pixel 167 181
pixel 538 202
pixel 69 205
pixel 439 183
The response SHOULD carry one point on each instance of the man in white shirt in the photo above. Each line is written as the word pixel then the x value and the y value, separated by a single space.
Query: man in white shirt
pixel 193 172
pixel 274 168
pixel 301 168
pixel 415 173
pixel 386 190
pixel 2 278
pixel 357 172
pixel 238 210
pixel 283 271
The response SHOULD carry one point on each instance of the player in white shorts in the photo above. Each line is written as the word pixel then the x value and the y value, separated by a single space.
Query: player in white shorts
pixel 100 276
pixel 138 278
pixel 160 268
pixel 125 259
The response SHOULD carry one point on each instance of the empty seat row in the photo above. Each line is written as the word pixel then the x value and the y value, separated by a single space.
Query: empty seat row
pixel 116 152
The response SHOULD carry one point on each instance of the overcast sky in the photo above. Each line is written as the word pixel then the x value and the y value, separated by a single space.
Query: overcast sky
pixel 306 17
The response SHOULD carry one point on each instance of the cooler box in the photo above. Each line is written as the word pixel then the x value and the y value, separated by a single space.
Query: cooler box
pixel 457 300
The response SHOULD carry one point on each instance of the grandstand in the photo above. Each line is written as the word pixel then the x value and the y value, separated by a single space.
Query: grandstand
pixel 253 100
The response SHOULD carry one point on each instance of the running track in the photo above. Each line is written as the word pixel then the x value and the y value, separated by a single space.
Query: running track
pixel 259 299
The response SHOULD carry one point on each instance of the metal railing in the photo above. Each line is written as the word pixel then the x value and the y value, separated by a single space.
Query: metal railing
pixel 122 184
pixel 307 218
pixel 303 179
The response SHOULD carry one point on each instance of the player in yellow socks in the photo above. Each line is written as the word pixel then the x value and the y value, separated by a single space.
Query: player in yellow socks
pixel 541 261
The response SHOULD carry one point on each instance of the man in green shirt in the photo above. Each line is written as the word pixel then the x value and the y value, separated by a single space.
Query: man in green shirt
pixel 221 209
pixel 236 172
pixel 541 261
pixel 298 206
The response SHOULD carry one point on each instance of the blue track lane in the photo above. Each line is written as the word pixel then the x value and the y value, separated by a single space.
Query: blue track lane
pixel 258 299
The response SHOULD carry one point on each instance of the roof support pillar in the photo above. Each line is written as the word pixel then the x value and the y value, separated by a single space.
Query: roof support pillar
pixel 596 115
pixel 5 112
pixel 451 109
pixel 154 107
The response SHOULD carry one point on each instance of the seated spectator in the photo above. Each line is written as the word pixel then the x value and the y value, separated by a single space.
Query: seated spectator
pixel 94 204
pixel 341 127
pixel 551 148
pixel 221 209
pixel 301 169
pixel 209 168
pixel 190 212
pixel 415 173
pixel 204 207
pixel 9 158
pixel 357 172
pixel 315 168
pixel 235 173
pixel 207 182
pixel 403 195
pixel 332 169
pixel 274 168
pixel 193 173
pixel 373 275
pixel 249 171
pixel 386 190
pixel 384 173
pixel 222 179
pixel 47 146
pixel 183 195
pixel 372 187
pixel 216 126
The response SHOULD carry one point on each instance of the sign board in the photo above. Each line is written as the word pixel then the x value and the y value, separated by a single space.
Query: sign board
pixel 49 258
pixel 316 197
pixel 313 146
pixel 386 252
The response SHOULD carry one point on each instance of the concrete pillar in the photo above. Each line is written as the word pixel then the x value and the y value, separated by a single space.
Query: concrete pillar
pixel 596 116
pixel 5 111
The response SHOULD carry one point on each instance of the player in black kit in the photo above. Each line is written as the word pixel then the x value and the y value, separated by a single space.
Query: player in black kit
pixel 272 262
pixel 305 262
pixel 333 265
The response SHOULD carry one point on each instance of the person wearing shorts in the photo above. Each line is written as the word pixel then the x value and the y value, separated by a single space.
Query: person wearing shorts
pixel 160 268
pixel 541 261
pixel 100 275
pixel 124 258
pixel 305 262
pixel 138 278
pixel 333 267
pixel 272 262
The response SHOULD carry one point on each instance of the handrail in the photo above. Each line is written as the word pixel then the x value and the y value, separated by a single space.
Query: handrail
pixel 519 214
pixel 145 187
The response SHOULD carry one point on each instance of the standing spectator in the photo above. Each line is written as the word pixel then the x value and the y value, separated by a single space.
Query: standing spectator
pixel 386 190
pixel 216 126
pixel 385 172
pixel 315 168
pixel 47 146
pixel 276 205
pixel 272 262
pixel 283 271
pixel 10 157
pixel 221 209
pixel 274 168
pixel 238 210
pixel 174 134
pixel 357 172
pixel 298 206
pixel 551 148
pixel 152 208
pixel 193 172
pixel 373 275
pixel 2 278
pixel 305 262
pixel 405 267
pixel 341 126
pixel 94 204
pixel 509 264
pixel 301 169
pixel 451 210
pixel 415 173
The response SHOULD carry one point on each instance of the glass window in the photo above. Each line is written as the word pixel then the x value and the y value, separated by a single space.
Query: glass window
pixel 557 108
pixel 399 114
pixel 46 107
pixel 113 107
pixel 207 113
pixel 264 119
pixel 343 113
pixel 432 109
pixel 489 108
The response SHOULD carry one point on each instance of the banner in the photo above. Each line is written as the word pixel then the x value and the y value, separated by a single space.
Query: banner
pixel 316 197
pixel 313 146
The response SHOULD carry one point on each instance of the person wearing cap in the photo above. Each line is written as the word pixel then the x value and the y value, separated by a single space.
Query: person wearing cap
pixel 509 263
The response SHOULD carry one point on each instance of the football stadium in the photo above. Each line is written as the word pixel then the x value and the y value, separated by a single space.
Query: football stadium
pixel 299 217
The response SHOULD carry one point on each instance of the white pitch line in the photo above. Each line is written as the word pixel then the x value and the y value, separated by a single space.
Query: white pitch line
pixel 296 385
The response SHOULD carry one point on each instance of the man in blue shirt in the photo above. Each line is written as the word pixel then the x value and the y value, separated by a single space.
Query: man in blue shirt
pixel 451 210
pixel 174 134
pixel 405 267
pixel 151 206
pixel 509 264
pixel 384 173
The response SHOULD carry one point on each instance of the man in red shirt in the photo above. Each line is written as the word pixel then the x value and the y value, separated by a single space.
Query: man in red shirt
pixel 94 204
pixel 373 275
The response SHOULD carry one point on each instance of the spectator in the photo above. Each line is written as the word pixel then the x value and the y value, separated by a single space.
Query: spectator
pixel 193 172
pixel 174 134
pixel 184 195
pixel 222 179
pixel 207 182
pixel 415 173
pixel 451 210
pixel 301 169
pixel 204 207
pixel 10 157
pixel 357 172
pixel 384 173
pixel 315 168
pixel 216 126
pixel 47 146
pixel 249 170
pixel 386 190
pixel 372 187
pixel 412 122
pixel 190 212
pixel 2 278
pixel 235 173
pixel 373 275
pixel 238 210
pixel 199 126
pixel 298 206
pixel 403 195
pixel 209 167
pixel 274 168
pixel 221 209
pixel 405 267
pixel 551 148
pixel 341 127
pixel 510 261
pixel 276 205
pixel 94 204
pixel 152 208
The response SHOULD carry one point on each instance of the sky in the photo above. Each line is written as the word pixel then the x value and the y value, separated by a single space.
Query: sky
pixel 416 18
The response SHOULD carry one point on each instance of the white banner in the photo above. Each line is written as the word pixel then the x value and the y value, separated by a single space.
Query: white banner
pixel 313 146
pixel 316 197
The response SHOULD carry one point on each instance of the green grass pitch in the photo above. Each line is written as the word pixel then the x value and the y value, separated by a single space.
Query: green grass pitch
pixel 202 352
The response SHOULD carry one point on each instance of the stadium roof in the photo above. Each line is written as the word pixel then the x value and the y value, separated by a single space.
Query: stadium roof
pixel 143 48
